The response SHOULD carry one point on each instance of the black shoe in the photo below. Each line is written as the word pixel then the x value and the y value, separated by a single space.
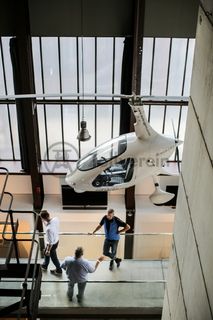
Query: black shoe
pixel 68 296
pixel 111 265
pixel 44 268
pixel 118 262
pixel 56 272
pixel 79 300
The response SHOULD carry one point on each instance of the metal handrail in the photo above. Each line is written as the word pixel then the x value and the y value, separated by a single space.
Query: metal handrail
pixel 93 281
pixel 96 234
pixel 9 208
pixel 5 183
pixel 9 214
pixel 14 239
pixel 33 241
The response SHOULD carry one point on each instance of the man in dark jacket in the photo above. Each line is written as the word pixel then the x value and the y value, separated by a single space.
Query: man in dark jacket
pixel 111 225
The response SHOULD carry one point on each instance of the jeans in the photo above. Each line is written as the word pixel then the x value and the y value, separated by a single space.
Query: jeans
pixel 81 288
pixel 110 248
pixel 54 258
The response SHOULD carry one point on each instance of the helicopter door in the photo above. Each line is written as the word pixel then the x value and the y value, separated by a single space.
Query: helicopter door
pixel 118 173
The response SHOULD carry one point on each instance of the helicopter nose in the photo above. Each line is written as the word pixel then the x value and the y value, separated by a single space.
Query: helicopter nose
pixel 70 181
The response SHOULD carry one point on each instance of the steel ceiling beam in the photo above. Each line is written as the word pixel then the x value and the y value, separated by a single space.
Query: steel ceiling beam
pixel 131 84
pixel 21 50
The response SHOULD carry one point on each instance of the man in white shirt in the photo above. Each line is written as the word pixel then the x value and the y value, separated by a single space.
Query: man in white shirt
pixel 77 269
pixel 52 238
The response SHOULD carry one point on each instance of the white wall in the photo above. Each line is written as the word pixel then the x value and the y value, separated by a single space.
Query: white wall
pixel 17 184
pixel 189 293
pixel 21 184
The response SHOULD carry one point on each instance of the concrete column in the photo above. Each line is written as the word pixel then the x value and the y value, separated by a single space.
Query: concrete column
pixel 189 293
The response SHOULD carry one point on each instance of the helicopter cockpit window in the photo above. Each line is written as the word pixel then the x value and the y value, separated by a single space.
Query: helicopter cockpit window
pixel 118 173
pixel 104 153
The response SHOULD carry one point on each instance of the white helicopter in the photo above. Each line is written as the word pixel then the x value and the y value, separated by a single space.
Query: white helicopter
pixel 123 161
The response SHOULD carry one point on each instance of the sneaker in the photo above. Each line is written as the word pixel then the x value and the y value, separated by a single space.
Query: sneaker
pixel 44 268
pixel 118 262
pixel 111 265
pixel 56 272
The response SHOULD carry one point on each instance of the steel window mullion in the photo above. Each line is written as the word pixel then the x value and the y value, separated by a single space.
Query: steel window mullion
pixel 182 91
pixel 152 66
pixel 11 135
pixel 43 90
pixel 185 65
pixel 78 85
pixel 113 85
pixel 168 69
pixel 167 84
pixel 164 118
pixel 95 91
pixel 149 113
pixel 178 130
pixel 61 105
pixel 179 121
pixel 3 67
pixel 151 80
pixel 183 85
pixel 6 92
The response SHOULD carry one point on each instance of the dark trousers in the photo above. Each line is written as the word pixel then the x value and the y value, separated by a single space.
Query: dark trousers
pixel 110 248
pixel 53 256
pixel 81 288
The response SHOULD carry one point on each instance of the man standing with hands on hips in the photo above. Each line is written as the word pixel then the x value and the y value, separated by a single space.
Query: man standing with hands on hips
pixel 111 225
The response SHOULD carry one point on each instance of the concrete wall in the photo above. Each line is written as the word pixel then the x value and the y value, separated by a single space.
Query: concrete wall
pixel 189 293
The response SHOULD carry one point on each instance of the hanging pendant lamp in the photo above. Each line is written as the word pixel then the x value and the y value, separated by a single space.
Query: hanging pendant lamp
pixel 83 134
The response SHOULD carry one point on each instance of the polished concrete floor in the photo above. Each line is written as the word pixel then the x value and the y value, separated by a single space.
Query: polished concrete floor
pixel 112 298
pixel 102 297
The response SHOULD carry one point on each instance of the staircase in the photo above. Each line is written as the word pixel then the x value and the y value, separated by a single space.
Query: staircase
pixel 21 301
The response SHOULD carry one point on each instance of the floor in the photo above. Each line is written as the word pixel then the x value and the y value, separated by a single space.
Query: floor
pixel 104 293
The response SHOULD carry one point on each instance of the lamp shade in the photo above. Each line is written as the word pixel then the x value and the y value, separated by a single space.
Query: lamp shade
pixel 83 134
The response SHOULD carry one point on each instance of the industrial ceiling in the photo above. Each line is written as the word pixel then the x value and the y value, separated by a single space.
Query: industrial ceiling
pixel 100 18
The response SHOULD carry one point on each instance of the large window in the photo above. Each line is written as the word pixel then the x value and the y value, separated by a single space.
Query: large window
pixel 167 66
pixel 9 141
pixel 166 71
pixel 76 65
pixel 93 66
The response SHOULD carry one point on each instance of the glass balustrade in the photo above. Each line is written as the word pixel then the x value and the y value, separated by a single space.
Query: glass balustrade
pixel 138 283
pixel 146 246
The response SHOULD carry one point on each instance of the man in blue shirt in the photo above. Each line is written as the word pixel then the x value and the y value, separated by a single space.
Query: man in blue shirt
pixel 111 225
pixel 77 269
